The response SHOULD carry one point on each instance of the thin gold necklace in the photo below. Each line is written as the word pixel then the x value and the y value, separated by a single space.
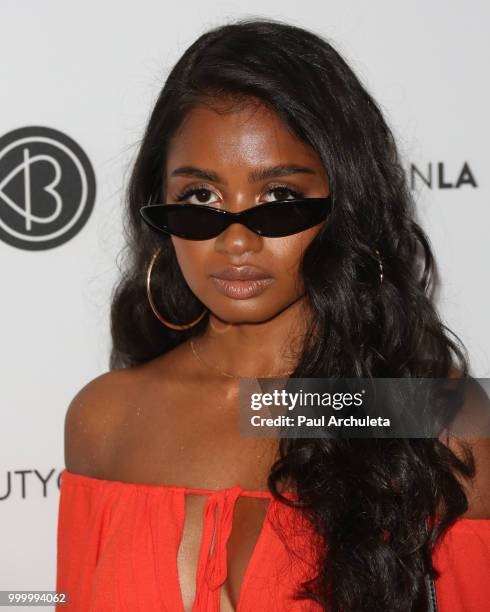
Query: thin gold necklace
pixel 208 365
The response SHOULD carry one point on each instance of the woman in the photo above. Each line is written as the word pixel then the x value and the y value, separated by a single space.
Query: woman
pixel 164 506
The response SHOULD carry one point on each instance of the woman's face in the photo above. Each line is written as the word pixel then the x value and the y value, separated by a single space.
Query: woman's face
pixel 215 159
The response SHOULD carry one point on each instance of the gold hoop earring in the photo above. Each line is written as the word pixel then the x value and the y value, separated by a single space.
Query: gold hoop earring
pixel 152 304
pixel 380 263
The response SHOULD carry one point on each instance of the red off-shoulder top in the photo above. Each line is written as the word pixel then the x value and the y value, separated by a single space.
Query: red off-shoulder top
pixel 118 543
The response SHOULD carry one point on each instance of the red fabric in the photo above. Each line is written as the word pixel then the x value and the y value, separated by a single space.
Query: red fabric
pixel 118 543
pixel 463 558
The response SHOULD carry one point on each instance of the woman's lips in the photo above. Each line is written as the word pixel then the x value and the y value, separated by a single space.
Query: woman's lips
pixel 241 289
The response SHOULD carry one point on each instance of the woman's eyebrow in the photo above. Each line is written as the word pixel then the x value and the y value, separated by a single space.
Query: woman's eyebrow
pixel 253 177
pixel 275 171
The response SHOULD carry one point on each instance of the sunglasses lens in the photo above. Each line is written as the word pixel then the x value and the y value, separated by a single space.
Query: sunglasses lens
pixel 192 223
pixel 288 217
pixel 273 219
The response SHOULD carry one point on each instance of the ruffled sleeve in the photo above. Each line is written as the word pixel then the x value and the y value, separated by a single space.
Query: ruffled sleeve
pixel 463 558
pixel 117 545
pixel 81 523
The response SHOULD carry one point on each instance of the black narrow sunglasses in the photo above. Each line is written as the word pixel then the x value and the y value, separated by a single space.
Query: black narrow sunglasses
pixel 202 222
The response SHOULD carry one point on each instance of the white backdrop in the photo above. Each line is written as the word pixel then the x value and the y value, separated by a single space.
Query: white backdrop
pixel 92 71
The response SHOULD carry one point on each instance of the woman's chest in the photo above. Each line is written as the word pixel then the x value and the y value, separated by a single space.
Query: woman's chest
pixel 219 543
pixel 184 551
pixel 216 537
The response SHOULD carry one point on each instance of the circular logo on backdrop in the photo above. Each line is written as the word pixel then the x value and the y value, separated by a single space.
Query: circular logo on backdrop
pixel 47 188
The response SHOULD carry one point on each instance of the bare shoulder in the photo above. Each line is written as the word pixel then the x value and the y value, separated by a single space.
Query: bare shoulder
pixel 92 418
pixel 102 420
pixel 474 417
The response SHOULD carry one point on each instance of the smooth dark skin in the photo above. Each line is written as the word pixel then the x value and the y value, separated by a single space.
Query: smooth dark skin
pixel 174 421
pixel 246 337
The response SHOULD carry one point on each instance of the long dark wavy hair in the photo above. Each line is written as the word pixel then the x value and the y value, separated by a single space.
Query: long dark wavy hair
pixel 353 490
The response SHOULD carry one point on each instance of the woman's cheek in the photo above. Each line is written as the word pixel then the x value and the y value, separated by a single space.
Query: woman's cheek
pixel 191 256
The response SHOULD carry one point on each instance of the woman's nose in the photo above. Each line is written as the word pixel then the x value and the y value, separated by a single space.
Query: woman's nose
pixel 237 239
